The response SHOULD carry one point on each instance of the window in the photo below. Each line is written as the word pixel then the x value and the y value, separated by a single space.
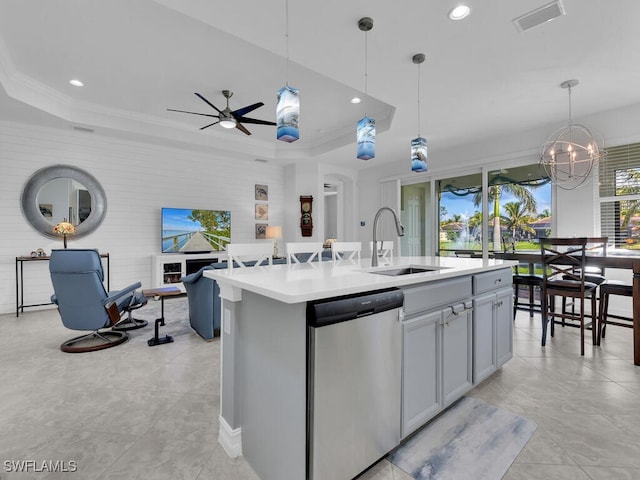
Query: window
pixel 460 215
pixel 620 196
pixel 519 211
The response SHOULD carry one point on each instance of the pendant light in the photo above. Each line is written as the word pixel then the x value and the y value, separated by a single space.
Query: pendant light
pixel 418 144
pixel 366 129
pixel 288 104
pixel 570 153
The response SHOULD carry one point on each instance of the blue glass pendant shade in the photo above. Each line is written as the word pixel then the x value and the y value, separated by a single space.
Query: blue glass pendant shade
pixel 288 114
pixel 419 154
pixel 366 135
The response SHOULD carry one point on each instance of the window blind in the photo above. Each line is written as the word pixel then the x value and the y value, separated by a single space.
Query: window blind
pixel 620 195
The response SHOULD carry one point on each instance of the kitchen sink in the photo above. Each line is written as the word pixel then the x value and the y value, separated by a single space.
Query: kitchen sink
pixel 394 272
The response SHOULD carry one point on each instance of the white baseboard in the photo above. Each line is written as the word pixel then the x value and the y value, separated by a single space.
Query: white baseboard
pixel 230 439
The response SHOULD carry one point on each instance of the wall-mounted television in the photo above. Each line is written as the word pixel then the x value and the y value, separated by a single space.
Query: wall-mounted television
pixel 195 231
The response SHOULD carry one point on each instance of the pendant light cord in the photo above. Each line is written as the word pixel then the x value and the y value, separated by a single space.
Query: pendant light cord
pixel 570 120
pixel 366 62
pixel 419 100
pixel 286 37
pixel 366 69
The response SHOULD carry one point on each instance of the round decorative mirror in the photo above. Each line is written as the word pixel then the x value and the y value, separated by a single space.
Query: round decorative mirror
pixel 63 193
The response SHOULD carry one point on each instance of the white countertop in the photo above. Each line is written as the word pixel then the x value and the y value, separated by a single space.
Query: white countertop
pixel 312 281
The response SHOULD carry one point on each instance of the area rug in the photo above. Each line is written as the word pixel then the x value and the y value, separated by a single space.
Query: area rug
pixel 470 441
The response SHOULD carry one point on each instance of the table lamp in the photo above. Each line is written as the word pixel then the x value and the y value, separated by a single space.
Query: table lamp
pixel 64 228
pixel 274 233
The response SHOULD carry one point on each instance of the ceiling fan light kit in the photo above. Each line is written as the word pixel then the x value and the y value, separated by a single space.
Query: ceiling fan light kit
pixel 228 118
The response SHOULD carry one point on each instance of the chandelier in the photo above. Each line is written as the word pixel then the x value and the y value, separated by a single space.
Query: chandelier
pixel 570 153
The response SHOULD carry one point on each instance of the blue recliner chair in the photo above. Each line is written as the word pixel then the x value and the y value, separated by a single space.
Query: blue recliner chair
pixel 84 304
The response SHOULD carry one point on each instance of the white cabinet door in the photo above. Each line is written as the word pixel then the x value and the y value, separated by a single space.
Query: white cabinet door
pixel 456 353
pixel 504 326
pixel 420 371
pixel 484 358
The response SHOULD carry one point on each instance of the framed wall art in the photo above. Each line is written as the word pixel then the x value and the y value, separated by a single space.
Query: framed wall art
pixel 261 231
pixel 262 192
pixel 262 211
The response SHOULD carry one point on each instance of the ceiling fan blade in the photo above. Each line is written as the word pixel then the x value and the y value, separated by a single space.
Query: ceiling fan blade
pixel 193 113
pixel 208 102
pixel 244 110
pixel 256 121
pixel 211 124
pixel 240 127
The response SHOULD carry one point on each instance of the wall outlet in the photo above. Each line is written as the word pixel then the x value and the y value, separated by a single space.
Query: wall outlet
pixel 227 322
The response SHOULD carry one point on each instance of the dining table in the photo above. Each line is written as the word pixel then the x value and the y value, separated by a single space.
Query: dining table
pixel 625 262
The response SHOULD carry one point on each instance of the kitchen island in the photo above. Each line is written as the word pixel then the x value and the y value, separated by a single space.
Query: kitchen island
pixel 455 331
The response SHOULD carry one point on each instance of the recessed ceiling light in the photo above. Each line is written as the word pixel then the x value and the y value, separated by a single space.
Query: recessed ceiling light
pixel 76 83
pixel 356 100
pixel 459 12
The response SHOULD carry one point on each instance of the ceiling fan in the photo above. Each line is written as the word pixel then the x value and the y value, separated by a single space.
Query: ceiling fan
pixel 228 118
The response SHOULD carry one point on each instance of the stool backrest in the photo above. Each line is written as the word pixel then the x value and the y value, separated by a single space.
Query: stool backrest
pixel 249 254
pixel 304 252
pixel 346 250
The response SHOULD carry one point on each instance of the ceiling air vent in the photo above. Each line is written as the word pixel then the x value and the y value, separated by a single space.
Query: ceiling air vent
pixel 539 16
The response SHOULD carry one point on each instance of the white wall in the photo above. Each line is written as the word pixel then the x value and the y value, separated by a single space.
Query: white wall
pixel 138 180
pixel 331 215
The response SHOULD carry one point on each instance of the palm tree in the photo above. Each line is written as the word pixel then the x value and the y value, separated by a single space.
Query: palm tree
pixel 521 192
pixel 544 214
pixel 517 218
pixel 629 181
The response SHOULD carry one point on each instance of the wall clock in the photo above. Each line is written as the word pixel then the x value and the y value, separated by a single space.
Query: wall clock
pixel 306 221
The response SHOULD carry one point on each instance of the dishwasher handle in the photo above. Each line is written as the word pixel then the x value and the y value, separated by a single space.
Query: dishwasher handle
pixel 322 313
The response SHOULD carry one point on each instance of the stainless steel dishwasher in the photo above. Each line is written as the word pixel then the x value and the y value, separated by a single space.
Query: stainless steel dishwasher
pixel 354 361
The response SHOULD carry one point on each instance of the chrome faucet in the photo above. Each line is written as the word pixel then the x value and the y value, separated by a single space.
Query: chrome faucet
pixel 399 229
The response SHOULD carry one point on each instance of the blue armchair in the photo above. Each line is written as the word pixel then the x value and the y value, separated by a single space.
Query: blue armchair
pixel 203 295
pixel 84 304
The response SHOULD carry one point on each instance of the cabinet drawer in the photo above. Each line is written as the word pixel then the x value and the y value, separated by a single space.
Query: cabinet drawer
pixel 485 282
pixel 428 296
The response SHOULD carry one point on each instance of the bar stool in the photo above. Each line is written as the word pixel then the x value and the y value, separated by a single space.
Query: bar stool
pixel 564 276
pixel 612 287
pixel 529 280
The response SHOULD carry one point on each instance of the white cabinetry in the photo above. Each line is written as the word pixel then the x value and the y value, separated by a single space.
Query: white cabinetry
pixel 166 270
pixel 420 371
pixel 437 349
pixel 492 323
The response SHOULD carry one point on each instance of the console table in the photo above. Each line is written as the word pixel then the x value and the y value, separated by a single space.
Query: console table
pixel 20 261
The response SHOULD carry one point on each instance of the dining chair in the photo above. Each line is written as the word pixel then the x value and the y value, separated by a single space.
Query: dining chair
pixel 249 254
pixel 304 252
pixel 346 250
pixel 564 273
pixel 384 249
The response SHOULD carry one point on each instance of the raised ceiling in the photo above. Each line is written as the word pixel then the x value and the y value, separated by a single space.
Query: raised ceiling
pixel 482 78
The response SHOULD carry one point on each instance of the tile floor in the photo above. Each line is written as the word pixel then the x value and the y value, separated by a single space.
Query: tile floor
pixel 134 412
